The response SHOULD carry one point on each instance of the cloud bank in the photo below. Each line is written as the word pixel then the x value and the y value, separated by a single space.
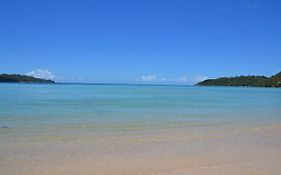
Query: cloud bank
pixel 176 80
pixel 148 78
pixel 42 73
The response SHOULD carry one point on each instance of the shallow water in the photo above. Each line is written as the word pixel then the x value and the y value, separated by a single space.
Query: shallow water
pixel 33 105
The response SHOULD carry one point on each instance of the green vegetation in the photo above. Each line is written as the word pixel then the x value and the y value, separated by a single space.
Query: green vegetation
pixel 255 81
pixel 16 78
pixel 276 80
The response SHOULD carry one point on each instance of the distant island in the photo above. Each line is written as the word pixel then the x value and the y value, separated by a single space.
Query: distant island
pixel 16 78
pixel 254 81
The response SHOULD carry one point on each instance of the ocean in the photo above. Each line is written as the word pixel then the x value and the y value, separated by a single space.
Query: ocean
pixel 35 104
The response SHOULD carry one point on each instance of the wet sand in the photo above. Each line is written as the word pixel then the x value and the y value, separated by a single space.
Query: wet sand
pixel 238 148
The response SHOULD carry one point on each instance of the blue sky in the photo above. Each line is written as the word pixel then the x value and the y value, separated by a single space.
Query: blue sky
pixel 150 41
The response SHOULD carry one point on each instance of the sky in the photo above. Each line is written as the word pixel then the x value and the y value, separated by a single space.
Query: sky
pixel 140 41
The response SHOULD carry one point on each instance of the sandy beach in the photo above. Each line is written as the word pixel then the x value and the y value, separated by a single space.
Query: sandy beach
pixel 248 148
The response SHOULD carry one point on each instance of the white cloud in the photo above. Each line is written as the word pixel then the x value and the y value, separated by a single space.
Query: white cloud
pixel 250 4
pixel 148 78
pixel 42 73
pixel 174 80
pixel 183 79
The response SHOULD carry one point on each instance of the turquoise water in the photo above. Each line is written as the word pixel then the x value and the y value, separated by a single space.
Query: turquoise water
pixel 35 104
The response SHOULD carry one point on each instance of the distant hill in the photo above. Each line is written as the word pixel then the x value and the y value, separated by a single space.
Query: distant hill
pixel 255 81
pixel 16 78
